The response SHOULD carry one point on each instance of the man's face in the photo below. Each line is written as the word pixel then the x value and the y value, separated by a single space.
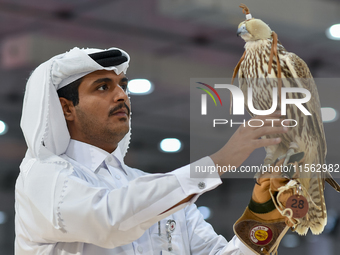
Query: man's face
pixel 102 115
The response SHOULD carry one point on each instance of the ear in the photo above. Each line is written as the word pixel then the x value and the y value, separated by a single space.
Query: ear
pixel 68 108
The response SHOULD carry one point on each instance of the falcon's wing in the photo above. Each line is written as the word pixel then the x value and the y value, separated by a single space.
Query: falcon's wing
pixel 299 69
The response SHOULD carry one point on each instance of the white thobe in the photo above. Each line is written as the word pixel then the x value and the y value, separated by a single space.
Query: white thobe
pixel 99 206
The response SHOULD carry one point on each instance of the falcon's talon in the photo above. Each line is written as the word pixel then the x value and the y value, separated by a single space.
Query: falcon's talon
pixel 279 158
pixel 289 153
pixel 285 175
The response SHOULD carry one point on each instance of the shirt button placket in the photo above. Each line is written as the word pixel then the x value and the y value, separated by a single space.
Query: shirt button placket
pixel 140 249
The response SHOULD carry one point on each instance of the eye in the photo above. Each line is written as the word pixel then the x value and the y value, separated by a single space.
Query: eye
pixel 124 87
pixel 103 87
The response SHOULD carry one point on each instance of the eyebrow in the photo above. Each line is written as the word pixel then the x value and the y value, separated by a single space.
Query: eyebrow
pixel 124 79
pixel 101 80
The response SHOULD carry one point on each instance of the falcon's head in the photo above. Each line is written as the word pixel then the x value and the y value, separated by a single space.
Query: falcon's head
pixel 253 30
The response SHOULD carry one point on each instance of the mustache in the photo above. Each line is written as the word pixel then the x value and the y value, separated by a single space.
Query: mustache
pixel 118 107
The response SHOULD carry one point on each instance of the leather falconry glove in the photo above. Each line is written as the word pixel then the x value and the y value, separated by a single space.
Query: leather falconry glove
pixel 262 225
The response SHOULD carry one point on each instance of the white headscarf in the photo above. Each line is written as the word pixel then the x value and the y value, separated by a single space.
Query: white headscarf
pixel 43 122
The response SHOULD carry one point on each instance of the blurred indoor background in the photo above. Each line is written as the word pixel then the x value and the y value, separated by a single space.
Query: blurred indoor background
pixel 169 41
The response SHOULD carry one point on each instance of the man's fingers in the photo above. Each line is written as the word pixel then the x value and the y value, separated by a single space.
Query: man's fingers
pixel 269 131
pixel 272 122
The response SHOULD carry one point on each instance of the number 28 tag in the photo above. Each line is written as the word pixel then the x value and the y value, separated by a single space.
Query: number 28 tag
pixel 298 204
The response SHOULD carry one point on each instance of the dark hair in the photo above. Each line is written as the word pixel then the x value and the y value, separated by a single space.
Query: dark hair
pixel 70 91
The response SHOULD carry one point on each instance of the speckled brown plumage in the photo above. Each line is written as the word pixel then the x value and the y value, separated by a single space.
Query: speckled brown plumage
pixel 308 136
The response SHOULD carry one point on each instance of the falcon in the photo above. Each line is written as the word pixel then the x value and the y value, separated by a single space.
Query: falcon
pixel 264 65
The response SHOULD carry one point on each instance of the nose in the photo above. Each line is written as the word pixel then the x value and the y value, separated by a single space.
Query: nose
pixel 119 94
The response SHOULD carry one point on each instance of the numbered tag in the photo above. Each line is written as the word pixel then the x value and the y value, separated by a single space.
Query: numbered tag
pixel 298 204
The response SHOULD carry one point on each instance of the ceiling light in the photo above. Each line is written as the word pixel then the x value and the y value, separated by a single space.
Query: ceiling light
pixel 333 32
pixel 170 145
pixel 328 114
pixel 3 217
pixel 140 87
pixel 3 128
pixel 205 211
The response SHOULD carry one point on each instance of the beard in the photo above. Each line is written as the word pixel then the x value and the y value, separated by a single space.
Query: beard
pixel 96 132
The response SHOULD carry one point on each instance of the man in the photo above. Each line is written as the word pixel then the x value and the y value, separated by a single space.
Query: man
pixel 75 195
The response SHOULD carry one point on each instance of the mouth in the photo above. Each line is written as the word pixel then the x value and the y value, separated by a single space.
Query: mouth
pixel 120 113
